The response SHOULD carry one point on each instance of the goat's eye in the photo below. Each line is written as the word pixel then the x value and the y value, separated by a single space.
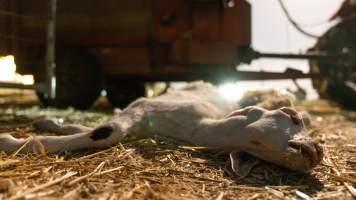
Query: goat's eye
pixel 296 119
pixel 291 114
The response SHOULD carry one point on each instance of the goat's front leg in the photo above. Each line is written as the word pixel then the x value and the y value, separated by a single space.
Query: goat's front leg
pixel 103 136
pixel 111 133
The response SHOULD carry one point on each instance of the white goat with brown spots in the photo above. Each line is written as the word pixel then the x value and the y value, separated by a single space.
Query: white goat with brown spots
pixel 195 114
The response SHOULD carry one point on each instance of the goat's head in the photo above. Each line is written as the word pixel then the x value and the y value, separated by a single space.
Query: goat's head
pixel 279 136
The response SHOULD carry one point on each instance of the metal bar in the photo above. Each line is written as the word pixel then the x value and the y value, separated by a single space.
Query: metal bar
pixel 50 50
pixel 16 85
pixel 14 14
pixel 8 37
pixel 246 54
pixel 22 16
pixel 216 77
pixel 14 28
pixel 311 55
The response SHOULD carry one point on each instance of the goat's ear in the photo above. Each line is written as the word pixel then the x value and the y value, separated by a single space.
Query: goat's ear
pixel 242 167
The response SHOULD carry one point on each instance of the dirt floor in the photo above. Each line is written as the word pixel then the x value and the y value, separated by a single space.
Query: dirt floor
pixel 161 169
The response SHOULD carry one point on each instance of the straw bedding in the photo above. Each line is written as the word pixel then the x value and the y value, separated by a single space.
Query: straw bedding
pixel 164 169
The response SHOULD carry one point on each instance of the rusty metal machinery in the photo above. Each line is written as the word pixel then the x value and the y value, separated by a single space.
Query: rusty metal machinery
pixel 141 40
pixel 338 76
pixel 332 63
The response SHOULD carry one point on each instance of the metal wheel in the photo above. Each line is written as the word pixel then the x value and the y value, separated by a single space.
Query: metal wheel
pixel 122 94
pixel 79 80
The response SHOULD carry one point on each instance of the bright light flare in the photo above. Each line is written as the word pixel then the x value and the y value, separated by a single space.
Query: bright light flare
pixel 231 91
pixel 7 68
pixel 25 79
pixel 8 72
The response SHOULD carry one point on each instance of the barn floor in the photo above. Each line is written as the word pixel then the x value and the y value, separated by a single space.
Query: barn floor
pixel 161 169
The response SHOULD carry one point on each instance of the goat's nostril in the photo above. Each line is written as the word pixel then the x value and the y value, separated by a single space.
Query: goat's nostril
pixel 309 149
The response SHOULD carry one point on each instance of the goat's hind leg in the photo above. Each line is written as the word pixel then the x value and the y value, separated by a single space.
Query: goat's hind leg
pixel 54 127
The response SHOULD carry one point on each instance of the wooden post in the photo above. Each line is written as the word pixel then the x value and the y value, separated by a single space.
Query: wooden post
pixel 50 50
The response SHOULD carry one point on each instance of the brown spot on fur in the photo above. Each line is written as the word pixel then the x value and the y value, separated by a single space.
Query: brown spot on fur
pixel 101 133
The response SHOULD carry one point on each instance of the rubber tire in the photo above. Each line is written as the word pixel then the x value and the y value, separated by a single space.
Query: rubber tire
pixel 335 73
pixel 79 80
pixel 120 95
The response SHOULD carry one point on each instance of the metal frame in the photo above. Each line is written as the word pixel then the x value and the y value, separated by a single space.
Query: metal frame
pixel 50 50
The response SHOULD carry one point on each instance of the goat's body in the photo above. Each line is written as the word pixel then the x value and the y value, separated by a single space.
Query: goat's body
pixel 176 114
pixel 194 114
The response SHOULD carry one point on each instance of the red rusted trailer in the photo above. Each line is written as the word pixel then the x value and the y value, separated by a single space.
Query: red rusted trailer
pixel 122 44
